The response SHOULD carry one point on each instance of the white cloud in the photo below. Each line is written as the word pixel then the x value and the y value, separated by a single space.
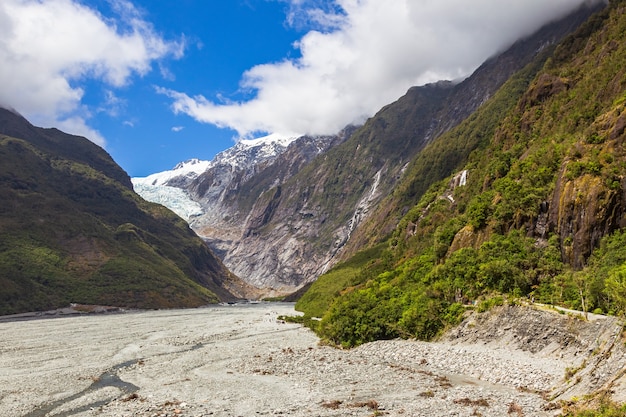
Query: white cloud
pixel 177 128
pixel 48 48
pixel 363 54
pixel 78 126
pixel 314 14
pixel 112 105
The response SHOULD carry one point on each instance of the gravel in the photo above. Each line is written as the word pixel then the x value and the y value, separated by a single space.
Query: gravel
pixel 243 361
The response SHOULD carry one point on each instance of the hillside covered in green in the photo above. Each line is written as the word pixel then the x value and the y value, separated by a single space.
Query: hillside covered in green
pixel 524 199
pixel 72 230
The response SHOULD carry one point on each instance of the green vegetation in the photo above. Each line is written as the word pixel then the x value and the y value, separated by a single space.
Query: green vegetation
pixel 539 216
pixel 322 293
pixel 73 233
pixel 605 409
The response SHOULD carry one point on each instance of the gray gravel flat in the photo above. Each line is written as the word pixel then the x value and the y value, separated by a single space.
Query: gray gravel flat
pixel 243 361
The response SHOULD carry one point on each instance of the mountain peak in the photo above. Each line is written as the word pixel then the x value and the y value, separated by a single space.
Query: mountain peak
pixel 193 162
pixel 274 138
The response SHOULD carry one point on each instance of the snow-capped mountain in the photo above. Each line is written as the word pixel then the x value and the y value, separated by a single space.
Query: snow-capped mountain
pixel 247 153
pixel 217 197
pixel 169 188
pixel 189 169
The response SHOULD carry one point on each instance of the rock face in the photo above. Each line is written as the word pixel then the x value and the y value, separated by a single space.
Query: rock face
pixel 591 347
pixel 587 207
pixel 229 190
pixel 584 210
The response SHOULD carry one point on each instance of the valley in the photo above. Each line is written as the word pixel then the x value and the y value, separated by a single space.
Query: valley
pixel 243 360
pixel 461 252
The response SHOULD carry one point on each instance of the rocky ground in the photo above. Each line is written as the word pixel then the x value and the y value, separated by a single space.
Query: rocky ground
pixel 244 361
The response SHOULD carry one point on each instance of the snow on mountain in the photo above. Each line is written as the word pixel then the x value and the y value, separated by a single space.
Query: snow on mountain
pixel 189 169
pixel 248 153
pixel 270 139
pixel 169 187
pixel 154 188
pixel 243 154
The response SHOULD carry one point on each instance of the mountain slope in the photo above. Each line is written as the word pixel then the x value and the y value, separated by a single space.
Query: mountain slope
pixel 280 222
pixel 72 230
pixel 298 230
pixel 540 211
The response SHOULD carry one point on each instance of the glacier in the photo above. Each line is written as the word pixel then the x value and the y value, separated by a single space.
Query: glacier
pixel 174 198
pixel 154 188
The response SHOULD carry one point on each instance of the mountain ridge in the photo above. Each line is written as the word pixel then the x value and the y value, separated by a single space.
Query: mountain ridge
pixel 73 231
pixel 540 217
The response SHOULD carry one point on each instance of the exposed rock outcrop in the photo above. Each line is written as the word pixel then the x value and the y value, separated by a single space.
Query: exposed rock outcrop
pixel 592 347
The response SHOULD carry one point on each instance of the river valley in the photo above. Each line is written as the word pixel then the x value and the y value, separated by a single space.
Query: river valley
pixel 243 361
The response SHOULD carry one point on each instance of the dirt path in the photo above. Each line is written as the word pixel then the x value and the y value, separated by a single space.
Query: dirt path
pixel 242 361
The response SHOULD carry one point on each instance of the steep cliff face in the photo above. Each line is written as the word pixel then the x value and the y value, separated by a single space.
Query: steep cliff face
pixel 233 190
pixel 570 124
pixel 588 200
pixel 592 205
pixel 585 210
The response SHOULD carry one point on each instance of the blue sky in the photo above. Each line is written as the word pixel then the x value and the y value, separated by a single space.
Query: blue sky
pixel 224 39
pixel 157 82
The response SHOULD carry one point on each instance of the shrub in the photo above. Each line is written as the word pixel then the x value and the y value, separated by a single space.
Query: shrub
pixel 490 303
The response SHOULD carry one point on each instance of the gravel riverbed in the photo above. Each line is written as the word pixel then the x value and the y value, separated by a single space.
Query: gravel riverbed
pixel 243 361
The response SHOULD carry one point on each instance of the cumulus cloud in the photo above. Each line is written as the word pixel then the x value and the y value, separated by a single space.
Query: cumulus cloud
pixel 362 54
pixel 49 48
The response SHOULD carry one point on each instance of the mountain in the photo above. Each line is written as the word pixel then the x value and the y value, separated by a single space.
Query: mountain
pixel 289 219
pixel 218 197
pixel 533 206
pixel 73 230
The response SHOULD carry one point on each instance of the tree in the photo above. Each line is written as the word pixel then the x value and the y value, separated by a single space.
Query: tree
pixel 615 287
pixel 582 284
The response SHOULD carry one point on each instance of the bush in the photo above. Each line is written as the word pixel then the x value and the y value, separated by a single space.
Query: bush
pixel 605 409
pixel 490 303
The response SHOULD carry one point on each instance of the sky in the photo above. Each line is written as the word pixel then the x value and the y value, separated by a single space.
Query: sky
pixel 157 82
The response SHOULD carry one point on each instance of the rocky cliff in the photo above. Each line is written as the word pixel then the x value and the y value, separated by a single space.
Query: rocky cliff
pixel 229 190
